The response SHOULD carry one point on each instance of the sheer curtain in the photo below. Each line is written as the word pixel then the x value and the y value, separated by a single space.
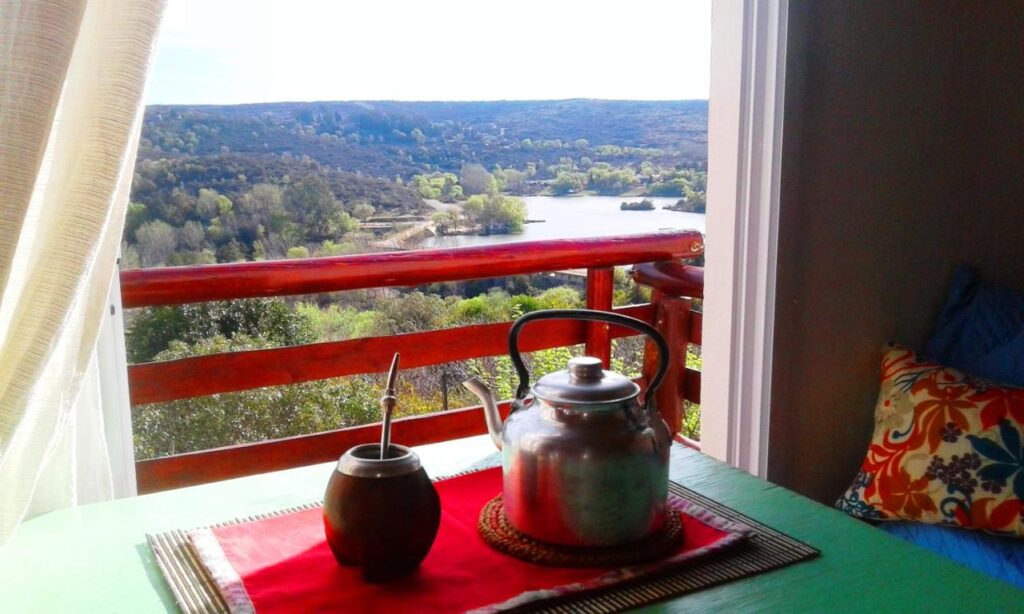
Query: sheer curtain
pixel 71 79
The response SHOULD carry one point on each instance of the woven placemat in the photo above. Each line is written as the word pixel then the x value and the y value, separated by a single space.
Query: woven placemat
pixel 766 549
pixel 498 533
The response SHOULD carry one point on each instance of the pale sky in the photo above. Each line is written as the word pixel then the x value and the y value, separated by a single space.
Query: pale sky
pixel 237 51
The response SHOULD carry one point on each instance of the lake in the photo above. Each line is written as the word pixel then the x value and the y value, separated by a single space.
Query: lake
pixel 574 217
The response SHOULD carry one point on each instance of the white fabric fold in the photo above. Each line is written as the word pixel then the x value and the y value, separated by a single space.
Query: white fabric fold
pixel 72 74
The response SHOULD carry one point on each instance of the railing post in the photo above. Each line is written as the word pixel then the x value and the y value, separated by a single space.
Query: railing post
pixel 600 287
pixel 672 319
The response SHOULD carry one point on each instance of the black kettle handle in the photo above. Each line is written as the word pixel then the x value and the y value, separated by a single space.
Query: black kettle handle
pixel 591 316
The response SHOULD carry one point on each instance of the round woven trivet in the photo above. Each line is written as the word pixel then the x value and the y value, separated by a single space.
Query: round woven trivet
pixel 499 534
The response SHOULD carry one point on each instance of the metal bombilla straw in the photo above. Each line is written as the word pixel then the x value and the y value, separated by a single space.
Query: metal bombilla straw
pixel 387 404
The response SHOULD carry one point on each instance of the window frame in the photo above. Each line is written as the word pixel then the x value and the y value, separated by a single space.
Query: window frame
pixel 745 128
pixel 745 117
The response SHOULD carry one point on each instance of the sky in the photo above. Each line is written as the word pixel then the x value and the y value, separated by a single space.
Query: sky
pixel 238 51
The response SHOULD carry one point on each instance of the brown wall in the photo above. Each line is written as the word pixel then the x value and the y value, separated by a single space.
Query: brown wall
pixel 901 157
pixel 991 87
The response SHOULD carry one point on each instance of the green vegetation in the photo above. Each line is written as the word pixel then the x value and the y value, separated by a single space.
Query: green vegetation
pixel 167 333
pixel 438 186
pixel 254 182
pixel 229 208
pixel 388 139
pixel 495 213
pixel 695 203
pixel 297 180
pixel 643 205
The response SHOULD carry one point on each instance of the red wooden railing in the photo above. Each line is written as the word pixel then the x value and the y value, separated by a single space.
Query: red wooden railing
pixel 670 310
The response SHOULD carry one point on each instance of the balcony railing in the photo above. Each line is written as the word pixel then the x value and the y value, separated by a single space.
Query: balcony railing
pixel 657 258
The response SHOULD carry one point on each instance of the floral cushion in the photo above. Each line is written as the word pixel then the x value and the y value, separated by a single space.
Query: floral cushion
pixel 947 449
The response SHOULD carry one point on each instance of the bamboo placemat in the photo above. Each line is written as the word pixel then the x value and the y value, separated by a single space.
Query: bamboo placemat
pixel 766 549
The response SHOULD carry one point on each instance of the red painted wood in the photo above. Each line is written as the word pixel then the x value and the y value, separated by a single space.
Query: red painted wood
pixel 199 376
pixel 689 443
pixel 232 371
pixel 672 278
pixel 177 285
pixel 600 290
pixel 236 461
pixel 672 319
pixel 691 385
pixel 696 328
pixel 247 459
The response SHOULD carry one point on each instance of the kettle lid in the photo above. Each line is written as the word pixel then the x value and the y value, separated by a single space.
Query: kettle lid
pixel 585 381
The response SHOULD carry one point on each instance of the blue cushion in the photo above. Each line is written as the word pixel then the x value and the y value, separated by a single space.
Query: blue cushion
pixel 999 557
pixel 981 329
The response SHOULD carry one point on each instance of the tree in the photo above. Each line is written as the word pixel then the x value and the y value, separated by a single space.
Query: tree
pixel 515 181
pixel 445 221
pixel 177 208
pixel 415 312
pixel 330 248
pixel 129 258
pixel 607 179
pixel 503 214
pixel 252 415
pixel 232 251
pixel 264 204
pixel 568 183
pixel 211 204
pixel 476 180
pixel 473 207
pixel 193 235
pixel 156 241
pixel 561 297
pixel 188 258
pixel 152 330
pixel 363 211
pixel 322 216
pixel 136 216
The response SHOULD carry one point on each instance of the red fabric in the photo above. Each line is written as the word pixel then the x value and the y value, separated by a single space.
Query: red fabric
pixel 286 565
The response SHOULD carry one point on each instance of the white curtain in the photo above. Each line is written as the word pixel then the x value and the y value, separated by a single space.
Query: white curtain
pixel 71 80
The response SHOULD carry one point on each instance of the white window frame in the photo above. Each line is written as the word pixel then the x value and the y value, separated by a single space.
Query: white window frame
pixel 745 114
pixel 748 52
pixel 112 362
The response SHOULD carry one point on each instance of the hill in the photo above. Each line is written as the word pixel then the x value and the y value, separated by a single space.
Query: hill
pixel 260 181
pixel 387 139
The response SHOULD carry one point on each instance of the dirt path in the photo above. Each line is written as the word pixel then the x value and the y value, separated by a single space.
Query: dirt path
pixel 437 205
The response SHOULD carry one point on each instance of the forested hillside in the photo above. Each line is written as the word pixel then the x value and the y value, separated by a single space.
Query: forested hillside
pixel 264 181
pixel 389 139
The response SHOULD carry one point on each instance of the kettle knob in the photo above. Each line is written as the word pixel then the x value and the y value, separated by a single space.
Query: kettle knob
pixel 585 369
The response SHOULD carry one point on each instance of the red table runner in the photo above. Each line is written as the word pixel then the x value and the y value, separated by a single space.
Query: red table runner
pixel 283 563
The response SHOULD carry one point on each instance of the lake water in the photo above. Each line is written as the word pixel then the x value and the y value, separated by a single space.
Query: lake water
pixel 574 217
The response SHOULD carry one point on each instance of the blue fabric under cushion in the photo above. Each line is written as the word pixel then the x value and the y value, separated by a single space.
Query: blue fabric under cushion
pixel 999 557
pixel 981 329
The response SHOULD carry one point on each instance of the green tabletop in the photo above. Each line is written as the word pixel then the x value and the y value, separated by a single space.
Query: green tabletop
pixel 94 558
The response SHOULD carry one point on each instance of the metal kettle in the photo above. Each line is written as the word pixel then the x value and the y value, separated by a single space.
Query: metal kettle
pixel 584 463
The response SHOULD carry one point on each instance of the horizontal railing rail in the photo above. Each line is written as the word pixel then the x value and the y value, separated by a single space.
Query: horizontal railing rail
pixel 197 376
pixel 213 282
pixel 242 370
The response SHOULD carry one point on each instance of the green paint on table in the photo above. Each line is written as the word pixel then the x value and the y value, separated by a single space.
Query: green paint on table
pixel 94 558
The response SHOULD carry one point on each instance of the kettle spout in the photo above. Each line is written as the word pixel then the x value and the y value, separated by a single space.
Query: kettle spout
pixel 491 414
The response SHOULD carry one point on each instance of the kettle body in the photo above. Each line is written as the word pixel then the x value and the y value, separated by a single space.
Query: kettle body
pixel 584 463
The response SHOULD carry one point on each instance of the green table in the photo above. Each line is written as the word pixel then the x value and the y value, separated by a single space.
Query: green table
pixel 94 558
